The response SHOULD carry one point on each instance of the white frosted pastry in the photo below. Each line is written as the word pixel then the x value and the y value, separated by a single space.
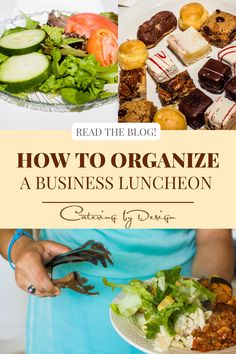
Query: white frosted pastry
pixel 161 67
pixel 221 114
pixel 190 45
pixel 228 55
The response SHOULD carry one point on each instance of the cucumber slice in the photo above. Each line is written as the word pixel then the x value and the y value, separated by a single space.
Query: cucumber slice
pixel 24 72
pixel 22 42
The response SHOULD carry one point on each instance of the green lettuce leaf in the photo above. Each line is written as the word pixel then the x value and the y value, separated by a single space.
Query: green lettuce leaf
pixel 127 306
pixel 133 290
pixel 166 279
pixel 22 95
pixel 69 95
pixel 79 80
pixel 176 296
pixel 30 24
pixel 3 58
pixel 56 38
pixel 54 34
pixel 56 57
pixel 67 50
pixel 2 87
pixel 168 317
pixel 67 41
pixel 111 16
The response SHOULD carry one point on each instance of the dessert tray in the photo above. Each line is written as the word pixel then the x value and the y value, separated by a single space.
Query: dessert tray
pixel 176 63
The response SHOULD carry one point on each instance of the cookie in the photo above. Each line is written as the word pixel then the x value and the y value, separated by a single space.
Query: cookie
pixel 137 112
pixel 220 29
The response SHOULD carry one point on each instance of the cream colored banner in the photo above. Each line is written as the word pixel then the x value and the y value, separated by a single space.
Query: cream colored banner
pixel 187 180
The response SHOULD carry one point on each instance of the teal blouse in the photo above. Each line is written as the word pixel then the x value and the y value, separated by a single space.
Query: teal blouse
pixel 73 323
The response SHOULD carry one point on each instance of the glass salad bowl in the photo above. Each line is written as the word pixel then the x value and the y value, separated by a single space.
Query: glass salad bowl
pixel 48 102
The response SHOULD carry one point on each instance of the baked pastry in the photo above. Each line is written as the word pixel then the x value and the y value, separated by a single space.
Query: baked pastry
pixel 132 85
pixel 136 112
pixel 161 67
pixel 228 56
pixel 230 89
pixel 220 29
pixel 189 46
pixel 132 55
pixel 173 90
pixel 170 118
pixel 192 14
pixel 221 114
pixel 194 106
pixel 151 32
pixel 214 75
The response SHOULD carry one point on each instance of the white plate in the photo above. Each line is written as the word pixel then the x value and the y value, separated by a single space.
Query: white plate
pixel 143 10
pixel 126 3
pixel 129 330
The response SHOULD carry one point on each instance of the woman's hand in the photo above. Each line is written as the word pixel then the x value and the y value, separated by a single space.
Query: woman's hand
pixel 29 257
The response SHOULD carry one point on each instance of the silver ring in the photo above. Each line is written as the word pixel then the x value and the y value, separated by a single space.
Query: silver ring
pixel 31 290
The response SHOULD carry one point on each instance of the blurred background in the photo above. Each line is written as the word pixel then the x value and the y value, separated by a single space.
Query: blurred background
pixel 13 303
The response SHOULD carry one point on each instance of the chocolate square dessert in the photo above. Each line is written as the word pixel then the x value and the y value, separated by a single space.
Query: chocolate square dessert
pixel 132 85
pixel 173 90
pixel 214 75
pixel 220 29
pixel 230 89
pixel 137 112
pixel 194 106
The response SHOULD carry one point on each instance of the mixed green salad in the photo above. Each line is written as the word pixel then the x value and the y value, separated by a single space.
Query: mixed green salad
pixel 162 300
pixel 61 57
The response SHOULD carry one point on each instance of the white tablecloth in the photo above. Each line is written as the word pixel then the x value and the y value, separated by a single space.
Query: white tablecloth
pixel 15 118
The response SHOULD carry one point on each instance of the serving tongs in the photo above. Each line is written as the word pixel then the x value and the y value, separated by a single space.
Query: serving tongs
pixel 93 252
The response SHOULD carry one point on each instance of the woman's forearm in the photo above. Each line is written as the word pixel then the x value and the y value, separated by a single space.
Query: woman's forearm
pixel 29 258
pixel 215 254
pixel 5 237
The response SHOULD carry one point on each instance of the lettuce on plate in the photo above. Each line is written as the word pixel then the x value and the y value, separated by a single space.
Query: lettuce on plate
pixel 162 300
pixel 79 80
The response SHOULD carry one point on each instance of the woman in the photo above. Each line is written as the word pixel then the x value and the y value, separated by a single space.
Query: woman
pixel 75 323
